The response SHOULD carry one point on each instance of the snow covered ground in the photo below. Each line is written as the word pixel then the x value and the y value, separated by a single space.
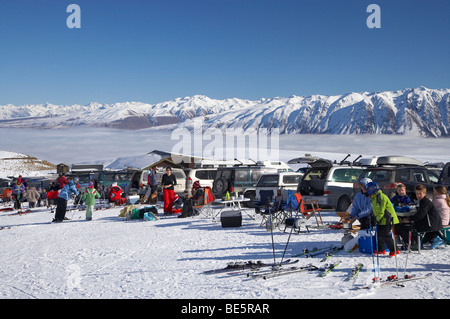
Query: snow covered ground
pixel 112 258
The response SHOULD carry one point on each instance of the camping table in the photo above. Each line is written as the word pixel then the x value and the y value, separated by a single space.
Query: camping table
pixel 234 203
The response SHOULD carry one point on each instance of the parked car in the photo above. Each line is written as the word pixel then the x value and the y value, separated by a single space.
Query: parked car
pixel 277 182
pixel 180 187
pixel 330 184
pixel 241 179
pixel 139 181
pixel 391 170
pixel 205 176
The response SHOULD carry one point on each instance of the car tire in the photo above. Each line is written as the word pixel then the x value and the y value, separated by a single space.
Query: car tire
pixel 343 203
pixel 220 186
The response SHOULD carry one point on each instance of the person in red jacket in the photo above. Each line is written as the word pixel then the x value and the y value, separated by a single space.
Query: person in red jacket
pixel 62 181
pixel 168 182
pixel 116 193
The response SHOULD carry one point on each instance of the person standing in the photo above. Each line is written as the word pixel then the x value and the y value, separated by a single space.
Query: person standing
pixel 63 197
pixel 32 196
pixel 89 198
pixel 18 191
pixel 385 216
pixel 168 182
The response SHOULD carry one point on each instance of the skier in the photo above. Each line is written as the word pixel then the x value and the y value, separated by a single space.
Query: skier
pixel 63 197
pixel 89 198
pixel 385 216
pixel 168 181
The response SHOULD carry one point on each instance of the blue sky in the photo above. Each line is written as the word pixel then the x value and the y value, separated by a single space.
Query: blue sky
pixel 154 51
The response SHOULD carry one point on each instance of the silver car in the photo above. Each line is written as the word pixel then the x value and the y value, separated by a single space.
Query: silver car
pixel 330 184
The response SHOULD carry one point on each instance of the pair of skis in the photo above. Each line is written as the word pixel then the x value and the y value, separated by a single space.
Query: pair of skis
pixel 393 281
pixel 235 267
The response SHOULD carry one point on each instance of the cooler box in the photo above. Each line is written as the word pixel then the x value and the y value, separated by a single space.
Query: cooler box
pixel 133 199
pixel 364 244
pixel 446 232
pixel 231 218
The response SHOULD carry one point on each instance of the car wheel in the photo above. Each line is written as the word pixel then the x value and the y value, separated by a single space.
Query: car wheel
pixel 343 203
pixel 220 186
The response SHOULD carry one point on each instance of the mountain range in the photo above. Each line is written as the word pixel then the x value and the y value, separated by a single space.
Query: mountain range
pixel 418 111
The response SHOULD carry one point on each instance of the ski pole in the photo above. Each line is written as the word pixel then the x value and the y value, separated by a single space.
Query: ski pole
pixel 409 249
pixel 395 250
pixel 289 238
pixel 271 233
pixel 376 244
pixel 371 249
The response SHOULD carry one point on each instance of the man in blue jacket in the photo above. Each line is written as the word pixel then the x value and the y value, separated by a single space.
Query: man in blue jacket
pixel 63 197
pixel 362 206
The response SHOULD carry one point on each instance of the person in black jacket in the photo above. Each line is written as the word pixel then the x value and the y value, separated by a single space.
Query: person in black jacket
pixel 427 218
pixel 168 181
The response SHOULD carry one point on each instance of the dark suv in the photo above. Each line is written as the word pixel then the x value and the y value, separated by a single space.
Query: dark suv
pixel 389 172
pixel 242 179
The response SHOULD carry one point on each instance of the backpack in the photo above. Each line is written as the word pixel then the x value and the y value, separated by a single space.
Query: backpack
pixel 187 210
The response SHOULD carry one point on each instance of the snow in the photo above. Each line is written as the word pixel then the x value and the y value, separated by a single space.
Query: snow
pixel 109 257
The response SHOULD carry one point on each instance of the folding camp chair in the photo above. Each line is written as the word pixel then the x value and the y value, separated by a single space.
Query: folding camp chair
pixel 206 207
pixel 304 210
pixel 262 206
pixel 309 208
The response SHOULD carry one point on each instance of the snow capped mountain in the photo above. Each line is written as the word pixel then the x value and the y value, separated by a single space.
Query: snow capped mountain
pixel 419 111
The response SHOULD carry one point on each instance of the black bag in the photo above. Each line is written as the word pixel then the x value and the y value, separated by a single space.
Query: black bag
pixel 187 210
pixel 231 218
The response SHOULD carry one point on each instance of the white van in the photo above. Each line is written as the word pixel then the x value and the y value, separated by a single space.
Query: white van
pixel 205 176
pixel 282 182
pixel 139 181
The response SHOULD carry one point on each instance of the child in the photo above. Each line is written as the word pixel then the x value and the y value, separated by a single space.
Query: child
pixel 89 198
pixel 401 201
pixel 441 202
pixel 427 218
pixel 386 217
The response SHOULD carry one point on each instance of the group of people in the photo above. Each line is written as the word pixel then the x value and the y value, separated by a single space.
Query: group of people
pixel 371 206
pixel 21 190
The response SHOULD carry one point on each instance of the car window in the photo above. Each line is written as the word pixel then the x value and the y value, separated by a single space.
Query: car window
pixel 291 179
pixel 268 181
pixel 178 175
pixel 434 178
pixel 405 175
pixel 212 174
pixel 419 176
pixel 378 175
pixel 348 175
pixel 201 174
pixel 241 175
